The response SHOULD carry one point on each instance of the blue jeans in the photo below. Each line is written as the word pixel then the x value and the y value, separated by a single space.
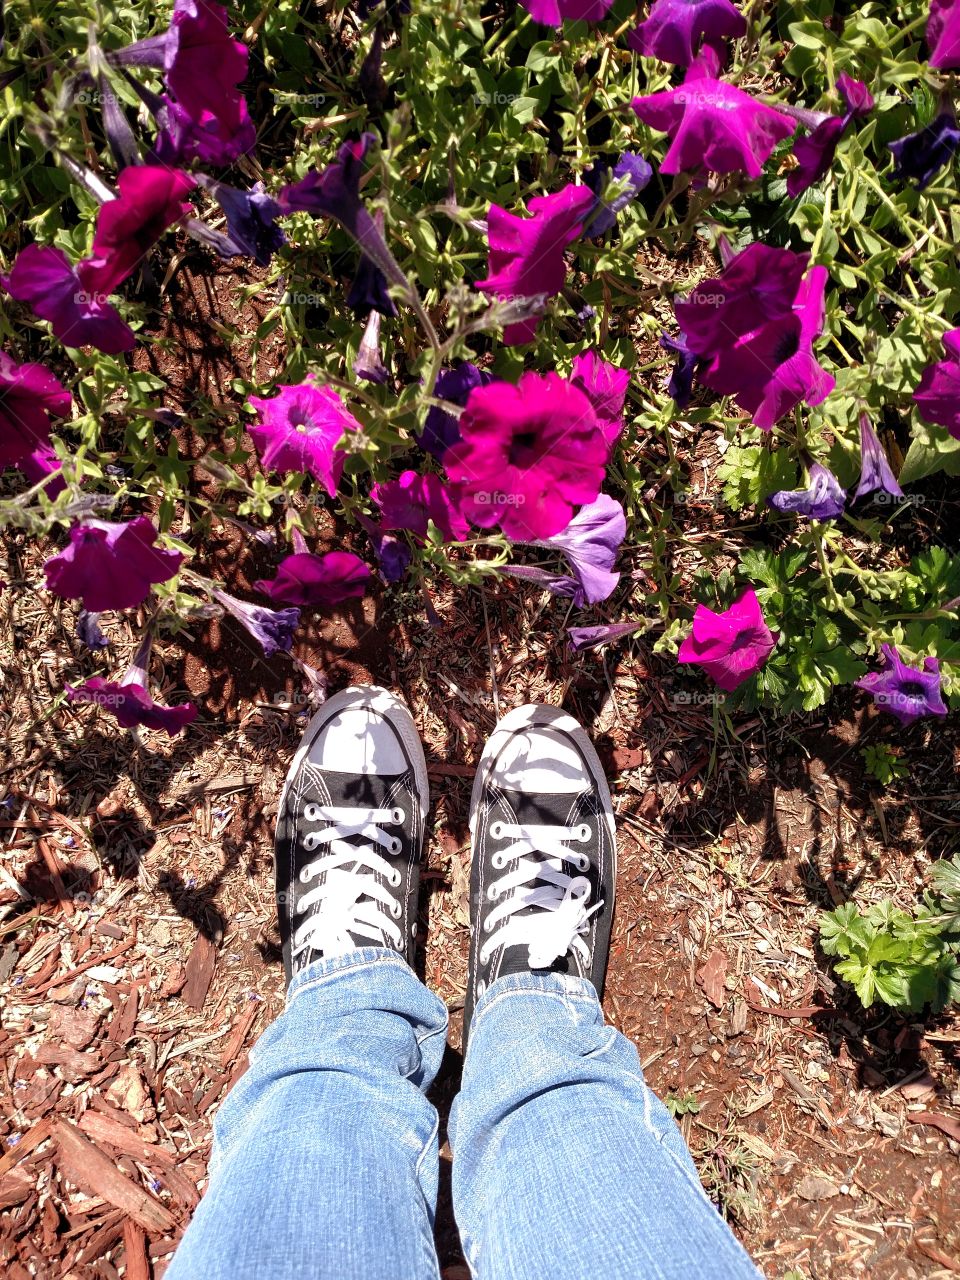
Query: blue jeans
pixel 566 1166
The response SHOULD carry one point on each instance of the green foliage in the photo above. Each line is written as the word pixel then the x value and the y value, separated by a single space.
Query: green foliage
pixel 883 763
pixel 905 960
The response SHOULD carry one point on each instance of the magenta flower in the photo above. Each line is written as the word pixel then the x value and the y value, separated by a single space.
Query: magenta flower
pixel 816 151
pixel 412 500
pixel 823 499
pixel 875 470
pixel 129 699
pixel 526 254
pixel 757 285
pixel 150 201
pixel 42 462
pixel 714 126
pixel 299 431
pixel 44 278
pixel 317 581
pixel 676 29
pixel 271 628
pixel 529 455
pixel 732 645
pixel 29 395
pixel 605 386
pixel 110 565
pixel 909 693
pixel 773 369
pixel 938 395
pixel 943 34
pixel 553 13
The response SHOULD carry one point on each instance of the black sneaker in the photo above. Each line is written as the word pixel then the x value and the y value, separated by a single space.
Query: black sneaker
pixel 544 853
pixel 350 831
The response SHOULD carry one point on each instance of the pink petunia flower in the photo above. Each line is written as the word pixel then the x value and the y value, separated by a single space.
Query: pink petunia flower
pixel 129 698
pixel 732 645
pixel 676 29
pixel 938 395
pixel 412 500
pixel 713 125
pixel 45 279
pixel 110 565
pixel 606 387
pixel 29 395
pixel 529 455
pixel 299 430
pixel 553 13
pixel 526 254
pixel 943 34
pixel 150 201
pixel 314 581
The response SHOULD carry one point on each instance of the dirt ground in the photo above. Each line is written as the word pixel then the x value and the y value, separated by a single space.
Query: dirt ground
pixel 139 956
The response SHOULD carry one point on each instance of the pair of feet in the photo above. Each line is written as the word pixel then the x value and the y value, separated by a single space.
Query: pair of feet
pixel 350 836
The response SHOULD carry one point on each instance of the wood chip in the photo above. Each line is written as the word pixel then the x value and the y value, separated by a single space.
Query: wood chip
pixel 814 1186
pixel 711 976
pixel 200 967
pixel 238 1035
pixel 946 1124
pixel 86 1166
pixel 135 1252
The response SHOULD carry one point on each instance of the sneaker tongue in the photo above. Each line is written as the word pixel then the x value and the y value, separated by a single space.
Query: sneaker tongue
pixel 359 791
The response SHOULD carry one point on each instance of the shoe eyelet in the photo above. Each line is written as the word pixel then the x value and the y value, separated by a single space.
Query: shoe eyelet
pixel 481 987
pixel 413 929
pixel 396 910
pixel 395 879
pixel 493 893
pixel 496 830
pixel 304 876
pixel 397 816
pixel 498 861
pixel 584 863
pixel 394 846
pixel 487 926
pixel 311 812
pixel 583 832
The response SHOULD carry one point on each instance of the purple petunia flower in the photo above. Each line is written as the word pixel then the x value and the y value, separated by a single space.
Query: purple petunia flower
pixel 526 254
pixel 875 470
pixel 583 638
pixel 605 386
pixel 713 125
pixel 368 363
pixel 732 645
pixel 923 154
pixel 110 565
pixel 44 278
pixel 272 628
pixel 529 455
pixel 150 200
pixel 129 699
pixel 412 500
pixel 251 220
pixel 317 581
pixel 687 367
pixel 938 395
pixel 909 693
pixel 42 462
pixel 823 499
pixel 637 172
pixel 591 543
pixel 943 34
pixel 299 430
pixel 88 630
pixel 676 29
pixel 757 285
pixel 773 369
pixel 815 152
pixel 29 395
pixel 335 193
pixel 553 13
pixel 442 429
pixel 368 290
pixel 394 557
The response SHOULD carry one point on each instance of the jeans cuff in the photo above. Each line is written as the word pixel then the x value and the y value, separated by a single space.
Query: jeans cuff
pixel 320 971
pixel 565 986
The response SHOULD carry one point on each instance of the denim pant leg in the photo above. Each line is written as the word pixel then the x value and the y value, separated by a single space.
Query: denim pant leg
pixel 325 1159
pixel 565 1165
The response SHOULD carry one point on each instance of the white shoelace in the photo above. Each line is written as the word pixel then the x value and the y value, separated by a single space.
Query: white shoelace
pixel 555 929
pixel 351 872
